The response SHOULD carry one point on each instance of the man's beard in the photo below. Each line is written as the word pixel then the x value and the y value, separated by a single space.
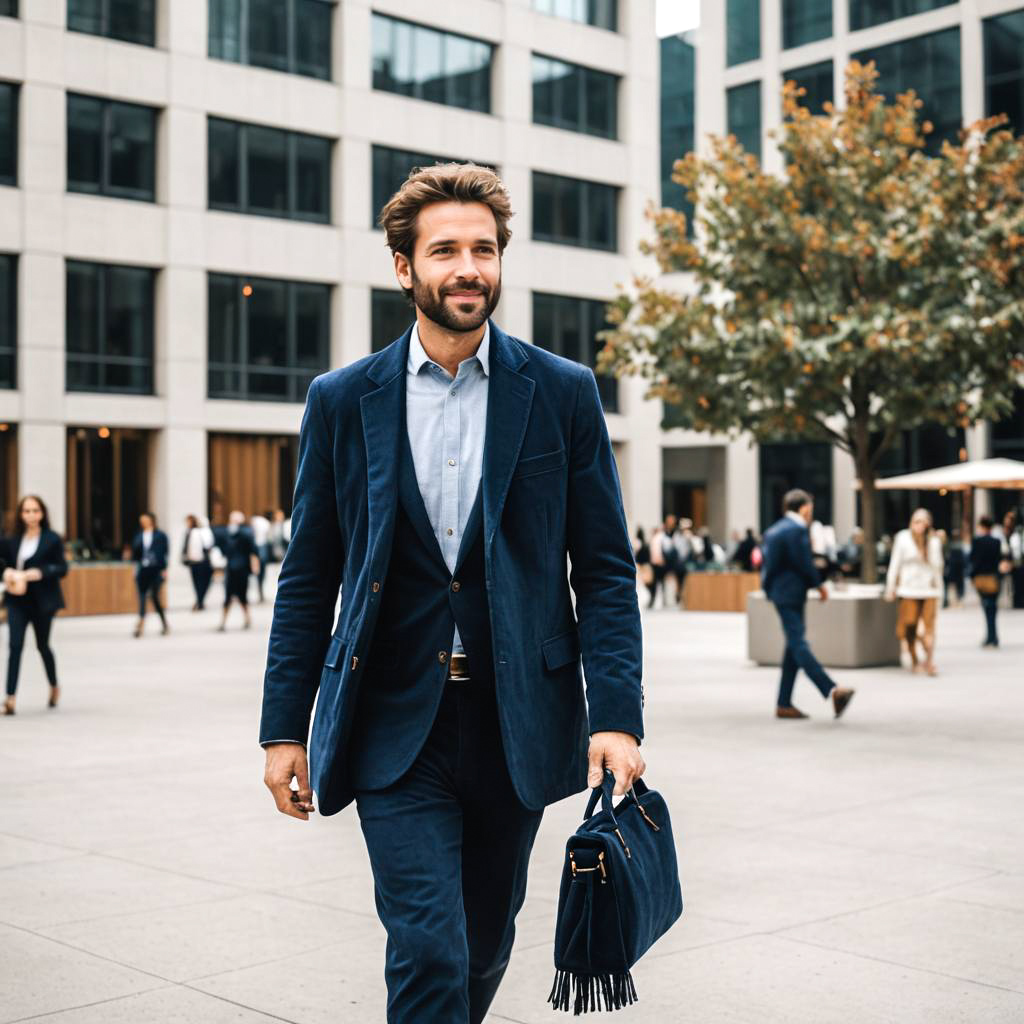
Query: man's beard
pixel 459 317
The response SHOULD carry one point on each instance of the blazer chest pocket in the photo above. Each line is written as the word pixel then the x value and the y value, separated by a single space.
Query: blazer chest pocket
pixel 537 464
pixel 561 650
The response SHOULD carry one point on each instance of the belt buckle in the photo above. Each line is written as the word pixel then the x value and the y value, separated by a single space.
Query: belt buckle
pixel 458 668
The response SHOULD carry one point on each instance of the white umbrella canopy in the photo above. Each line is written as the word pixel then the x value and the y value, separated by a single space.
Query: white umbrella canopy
pixel 1004 474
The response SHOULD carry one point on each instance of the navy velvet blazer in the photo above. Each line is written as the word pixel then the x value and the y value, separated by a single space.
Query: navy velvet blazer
pixel 158 551
pixel 49 558
pixel 788 571
pixel 550 489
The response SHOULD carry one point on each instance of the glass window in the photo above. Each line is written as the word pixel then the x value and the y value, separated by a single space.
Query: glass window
pixel 8 320
pixel 930 65
pixel 817 80
pixel 9 8
pixel 865 13
pixel 1004 68
pixel 391 314
pixel 442 67
pixel 574 97
pixel 789 464
pixel 285 35
pixel 111 148
pixel 678 68
pixel 575 212
pixel 742 31
pixel 569 326
pixel 134 21
pixel 805 21
pixel 267 339
pixel 600 13
pixel 268 171
pixel 109 328
pixel 390 168
pixel 743 115
pixel 8 133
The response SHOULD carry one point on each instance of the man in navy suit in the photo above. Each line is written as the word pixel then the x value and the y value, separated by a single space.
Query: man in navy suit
pixel 442 483
pixel 787 574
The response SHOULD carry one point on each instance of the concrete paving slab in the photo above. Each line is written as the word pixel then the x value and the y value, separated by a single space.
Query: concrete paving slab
pixel 15 851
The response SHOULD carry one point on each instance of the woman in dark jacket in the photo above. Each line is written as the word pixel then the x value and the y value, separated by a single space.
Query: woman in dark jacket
pixel 149 552
pixel 34 564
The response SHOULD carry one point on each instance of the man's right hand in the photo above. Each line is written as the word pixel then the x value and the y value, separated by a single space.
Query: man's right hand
pixel 287 761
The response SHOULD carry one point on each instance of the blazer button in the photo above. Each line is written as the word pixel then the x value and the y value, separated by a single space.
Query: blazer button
pixel 376 586
pixel 456 586
pixel 442 656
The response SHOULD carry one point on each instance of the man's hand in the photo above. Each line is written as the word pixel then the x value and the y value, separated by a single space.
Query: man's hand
pixel 620 754
pixel 823 592
pixel 287 761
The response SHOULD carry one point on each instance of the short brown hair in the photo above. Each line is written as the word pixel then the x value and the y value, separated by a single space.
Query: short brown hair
pixel 795 500
pixel 443 183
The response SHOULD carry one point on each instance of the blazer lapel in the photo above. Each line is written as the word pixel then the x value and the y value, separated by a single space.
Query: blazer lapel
pixel 509 399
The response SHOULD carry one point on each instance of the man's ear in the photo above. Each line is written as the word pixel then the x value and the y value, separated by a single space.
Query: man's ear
pixel 403 270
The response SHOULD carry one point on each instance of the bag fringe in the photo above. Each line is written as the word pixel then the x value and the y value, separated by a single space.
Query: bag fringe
pixel 587 992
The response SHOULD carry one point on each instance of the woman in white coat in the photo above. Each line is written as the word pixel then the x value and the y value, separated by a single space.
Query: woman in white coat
pixel 915 577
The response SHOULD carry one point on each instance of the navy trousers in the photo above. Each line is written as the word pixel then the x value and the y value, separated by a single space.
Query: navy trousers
pixel 990 606
pixel 449 844
pixel 798 655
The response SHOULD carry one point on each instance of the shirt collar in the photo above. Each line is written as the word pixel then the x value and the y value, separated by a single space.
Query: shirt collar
pixel 418 355
pixel 797 518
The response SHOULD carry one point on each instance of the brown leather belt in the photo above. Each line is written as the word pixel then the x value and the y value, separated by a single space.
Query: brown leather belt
pixel 458 668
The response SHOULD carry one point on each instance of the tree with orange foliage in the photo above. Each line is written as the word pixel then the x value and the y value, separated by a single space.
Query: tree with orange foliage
pixel 868 291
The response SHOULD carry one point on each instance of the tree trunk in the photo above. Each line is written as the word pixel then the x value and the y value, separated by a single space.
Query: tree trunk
pixel 868 509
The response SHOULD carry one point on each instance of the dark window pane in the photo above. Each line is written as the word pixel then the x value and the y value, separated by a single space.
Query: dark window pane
pixel 600 13
pixel 83 308
pixel 85 143
pixel 312 176
pixel 678 75
pixel 742 31
pixel 1004 68
pixel 568 90
pixel 383 54
pixel 804 21
pixel 313 38
pixel 544 73
pixel 267 168
pixel 225 29
pixel 132 20
pixel 391 314
pixel 311 334
pixel 428 70
pixel 8 319
pixel 9 8
pixel 268 33
pixel 223 318
pixel 8 133
pixel 267 320
pixel 816 80
pixel 786 465
pixel 86 16
pixel 129 313
pixel 574 212
pixel 865 13
pixel 390 169
pixel 132 149
pixel 601 94
pixel 743 114
pixel 223 161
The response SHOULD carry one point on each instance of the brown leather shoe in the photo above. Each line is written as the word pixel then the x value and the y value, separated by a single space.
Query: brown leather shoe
pixel 790 712
pixel 841 696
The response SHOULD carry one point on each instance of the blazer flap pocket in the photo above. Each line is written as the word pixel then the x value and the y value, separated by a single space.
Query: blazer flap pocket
pixel 334 649
pixel 540 463
pixel 561 650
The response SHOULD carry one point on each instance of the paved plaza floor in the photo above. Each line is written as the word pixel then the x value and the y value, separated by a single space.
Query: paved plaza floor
pixel 862 871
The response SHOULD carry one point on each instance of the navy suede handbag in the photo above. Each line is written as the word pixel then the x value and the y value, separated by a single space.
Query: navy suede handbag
pixel 619 894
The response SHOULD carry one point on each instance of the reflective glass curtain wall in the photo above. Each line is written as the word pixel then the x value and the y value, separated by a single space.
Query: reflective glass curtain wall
pixel 599 13
pixel 574 97
pixel 427 64
pixel 8 320
pixel 865 13
pixel 817 81
pixel 111 148
pixel 930 65
pixel 1004 68
pixel 805 21
pixel 8 133
pixel 286 35
pixel 267 339
pixel 743 115
pixel 678 66
pixel 575 212
pixel 267 171
pixel 109 328
pixel 133 21
pixel 742 31
pixel 568 326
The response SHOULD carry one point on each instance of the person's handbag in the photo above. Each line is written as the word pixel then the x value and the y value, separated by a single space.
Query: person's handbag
pixel 987 584
pixel 619 894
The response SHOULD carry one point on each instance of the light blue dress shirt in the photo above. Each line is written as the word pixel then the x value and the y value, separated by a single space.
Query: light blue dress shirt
pixel 446 419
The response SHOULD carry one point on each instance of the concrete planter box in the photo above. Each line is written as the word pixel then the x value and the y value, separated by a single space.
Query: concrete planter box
pixel 854 628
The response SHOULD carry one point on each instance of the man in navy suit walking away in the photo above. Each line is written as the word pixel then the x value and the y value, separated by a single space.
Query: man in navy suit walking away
pixel 788 573
pixel 442 483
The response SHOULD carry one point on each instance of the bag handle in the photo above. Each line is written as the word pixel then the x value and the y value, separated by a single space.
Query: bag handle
pixel 604 794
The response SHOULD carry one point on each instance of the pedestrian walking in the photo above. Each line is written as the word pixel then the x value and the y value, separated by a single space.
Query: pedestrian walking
pixel 235 541
pixel 915 577
pixel 149 552
pixel 1014 532
pixel 644 569
pixel 34 564
pixel 443 482
pixel 743 555
pixel 260 526
pixel 955 573
pixel 986 566
pixel 658 567
pixel 278 543
pixel 195 553
pixel 788 573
